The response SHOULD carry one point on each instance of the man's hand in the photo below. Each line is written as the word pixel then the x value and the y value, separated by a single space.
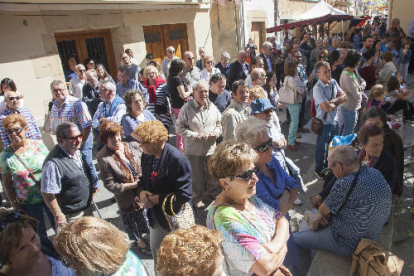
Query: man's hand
pixel 201 136
pixel 316 201
pixel 212 135
pixel 60 220
pixel 145 198
pixel 284 202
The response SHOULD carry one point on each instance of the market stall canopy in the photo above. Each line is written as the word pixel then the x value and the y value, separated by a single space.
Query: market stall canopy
pixel 320 13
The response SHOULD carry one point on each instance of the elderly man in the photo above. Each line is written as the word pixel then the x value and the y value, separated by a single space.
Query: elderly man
pixel 224 64
pixel 257 62
pixel 70 109
pixel 125 83
pixel 66 179
pixel 165 65
pixel 239 70
pixel 133 69
pixel 217 94
pixel 268 57
pixel 258 76
pixel 191 73
pixel 202 53
pixel 112 108
pixel 12 107
pixel 236 112
pixel 76 84
pixel 336 43
pixel 90 92
pixel 359 204
pixel 199 123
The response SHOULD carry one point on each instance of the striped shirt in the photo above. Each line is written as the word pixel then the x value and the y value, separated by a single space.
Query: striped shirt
pixel 72 110
pixel 33 131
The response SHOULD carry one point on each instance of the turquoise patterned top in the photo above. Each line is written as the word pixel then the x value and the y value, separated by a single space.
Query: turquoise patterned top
pixel 27 191
pixel 131 267
pixel 244 233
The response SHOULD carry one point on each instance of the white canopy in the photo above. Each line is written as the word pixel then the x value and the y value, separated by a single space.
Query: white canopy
pixel 319 10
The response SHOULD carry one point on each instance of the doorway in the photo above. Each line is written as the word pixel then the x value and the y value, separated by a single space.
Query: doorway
pixel 258 33
pixel 96 45
pixel 159 37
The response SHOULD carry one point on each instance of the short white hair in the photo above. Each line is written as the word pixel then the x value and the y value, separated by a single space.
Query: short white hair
pixel 251 130
pixel 225 55
pixel 267 45
pixel 79 66
pixel 108 85
pixel 170 48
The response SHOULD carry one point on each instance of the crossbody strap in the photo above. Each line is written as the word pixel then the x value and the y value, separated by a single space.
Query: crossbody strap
pixel 350 190
pixel 30 172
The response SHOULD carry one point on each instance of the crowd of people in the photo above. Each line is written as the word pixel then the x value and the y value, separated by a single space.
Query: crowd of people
pixel 228 160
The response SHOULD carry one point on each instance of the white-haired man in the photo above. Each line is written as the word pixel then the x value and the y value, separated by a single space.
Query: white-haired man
pixel 165 65
pixel 76 84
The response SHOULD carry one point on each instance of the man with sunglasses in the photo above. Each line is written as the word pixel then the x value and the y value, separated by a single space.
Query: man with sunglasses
pixel 13 107
pixel 76 84
pixel 70 109
pixel 191 73
pixel 66 180
pixel 165 65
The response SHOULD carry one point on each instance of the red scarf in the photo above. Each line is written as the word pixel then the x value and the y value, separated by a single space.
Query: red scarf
pixel 152 89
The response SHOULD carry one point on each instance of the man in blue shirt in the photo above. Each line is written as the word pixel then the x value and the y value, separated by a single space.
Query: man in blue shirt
pixel 328 96
pixel 125 83
pixel 361 215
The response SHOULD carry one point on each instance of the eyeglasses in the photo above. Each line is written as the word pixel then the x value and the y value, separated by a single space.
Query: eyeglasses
pixel 74 138
pixel 171 52
pixel 190 58
pixel 14 98
pixel 81 70
pixel 262 75
pixel 333 165
pixel 298 56
pixel 10 218
pixel 92 63
pixel 247 175
pixel 264 147
pixel 209 62
pixel 58 90
pixel 14 130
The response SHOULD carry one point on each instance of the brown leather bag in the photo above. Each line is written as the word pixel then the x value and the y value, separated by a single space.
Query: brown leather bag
pixel 317 125
pixel 370 259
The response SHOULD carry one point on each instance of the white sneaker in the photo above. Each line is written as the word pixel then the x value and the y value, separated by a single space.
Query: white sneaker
pixel 297 201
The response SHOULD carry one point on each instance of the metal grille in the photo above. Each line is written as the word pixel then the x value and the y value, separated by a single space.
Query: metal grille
pixel 97 50
pixel 67 49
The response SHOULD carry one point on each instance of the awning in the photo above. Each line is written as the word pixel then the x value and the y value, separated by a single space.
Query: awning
pixel 304 23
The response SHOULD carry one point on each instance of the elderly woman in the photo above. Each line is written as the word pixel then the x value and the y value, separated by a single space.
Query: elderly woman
pixel 392 142
pixel 23 252
pixel 388 68
pixel 158 102
pixel 255 234
pixel 94 246
pixel 275 187
pixel 199 123
pixel 195 251
pixel 166 174
pixel 209 69
pixel 136 112
pixel 353 86
pixel 179 93
pixel 119 164
pixel 21 171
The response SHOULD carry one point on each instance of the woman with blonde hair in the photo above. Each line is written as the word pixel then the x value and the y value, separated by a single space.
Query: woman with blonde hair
pixel 376 96
pixel 195 251
pixel 95 247
pixel 209 69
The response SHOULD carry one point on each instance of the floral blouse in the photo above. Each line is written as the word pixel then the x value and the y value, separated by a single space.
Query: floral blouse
pixel 244 233
pixel 27 191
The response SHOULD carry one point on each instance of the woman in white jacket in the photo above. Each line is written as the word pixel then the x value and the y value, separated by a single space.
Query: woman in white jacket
pixel 209 69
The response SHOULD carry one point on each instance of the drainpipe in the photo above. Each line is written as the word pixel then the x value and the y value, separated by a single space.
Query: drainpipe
pixel 237 27
pixel 242 25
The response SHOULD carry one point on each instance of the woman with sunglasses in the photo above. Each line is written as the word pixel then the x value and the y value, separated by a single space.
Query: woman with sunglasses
pixel 21 170
pixel 275 187
pixel 209 69
pixel 255 234
pixel 23 252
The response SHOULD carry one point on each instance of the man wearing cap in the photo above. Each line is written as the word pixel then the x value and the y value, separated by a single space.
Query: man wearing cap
pixel 264 110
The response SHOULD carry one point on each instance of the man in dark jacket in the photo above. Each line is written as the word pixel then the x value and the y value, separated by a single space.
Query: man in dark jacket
pixel 239 70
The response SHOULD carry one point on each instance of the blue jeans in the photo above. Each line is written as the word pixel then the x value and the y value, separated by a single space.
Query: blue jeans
pixel 328 132
pixel 308 242
pixel 86 151
pixel 350 118
pixel 36 211
pixel 294 110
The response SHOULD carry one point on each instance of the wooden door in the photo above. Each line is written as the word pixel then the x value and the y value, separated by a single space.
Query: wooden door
pixel 257 33
pixel 159 37
pixel 93 44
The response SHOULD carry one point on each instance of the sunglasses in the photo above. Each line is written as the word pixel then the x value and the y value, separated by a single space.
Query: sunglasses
pixel 12 217
pixel 14 98
pixel 247 175
pixel 15 130
pixel 190 58
pixel 58 90
pixel 298 56
pixel 264 147
pixel 74 138
pixel 81 70
pixel 171 52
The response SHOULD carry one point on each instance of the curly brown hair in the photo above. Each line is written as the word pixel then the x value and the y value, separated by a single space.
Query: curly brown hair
pixel 108 130
pixel 14 119
pixel 151 132
pixel 195 251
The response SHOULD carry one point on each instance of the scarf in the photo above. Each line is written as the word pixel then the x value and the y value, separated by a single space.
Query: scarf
pixel 153 88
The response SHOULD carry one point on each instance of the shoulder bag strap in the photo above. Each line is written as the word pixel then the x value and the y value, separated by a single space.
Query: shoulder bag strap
pixel 326 113
pixel 350 190
pixel 30 172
